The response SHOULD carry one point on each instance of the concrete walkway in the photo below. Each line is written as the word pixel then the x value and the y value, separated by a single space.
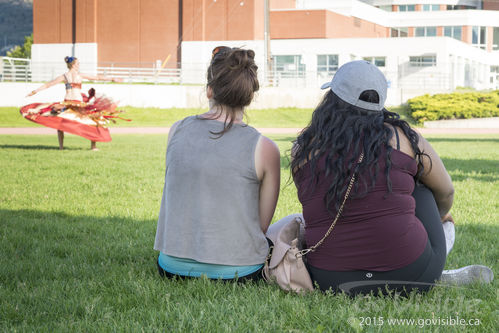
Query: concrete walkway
pixel 291 131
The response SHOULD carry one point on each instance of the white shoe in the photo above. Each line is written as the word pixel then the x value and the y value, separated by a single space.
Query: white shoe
pixel 450 235
pixel 467 275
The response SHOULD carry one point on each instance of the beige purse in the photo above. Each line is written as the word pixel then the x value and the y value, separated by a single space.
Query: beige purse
pixel 285 264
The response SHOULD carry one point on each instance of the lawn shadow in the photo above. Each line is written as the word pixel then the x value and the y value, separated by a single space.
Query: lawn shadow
pixel 36 242
pixel 482 168
pixel 36 147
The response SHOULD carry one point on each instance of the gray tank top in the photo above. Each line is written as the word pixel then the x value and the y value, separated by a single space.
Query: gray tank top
pixel 209 211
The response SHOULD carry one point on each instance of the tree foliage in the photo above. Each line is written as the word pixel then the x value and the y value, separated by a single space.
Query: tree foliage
pixel 23 51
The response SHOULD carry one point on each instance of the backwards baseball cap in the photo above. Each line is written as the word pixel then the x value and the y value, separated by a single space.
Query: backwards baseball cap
pixel 355 77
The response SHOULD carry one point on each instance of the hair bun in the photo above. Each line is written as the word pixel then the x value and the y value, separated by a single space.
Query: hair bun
pixel 241 59
pixel 251 54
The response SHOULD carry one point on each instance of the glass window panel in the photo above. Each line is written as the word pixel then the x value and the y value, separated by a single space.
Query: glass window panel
pixel 404 32
pixel 394 32
pixel 483 35
pixel 411 8
pixel 423 61
pixel 321 60
pixel 333 61
pixel 285 59
pixel 284 62
pixel 419 31
pixel 426 8
pixel 457 33
pixel 495 39
pixel 325 63
pixel 474 35
pixel 428 60
pixel 431 31
pixel 402 8
pixel 435 7
pixel 448 31
pixel 379 61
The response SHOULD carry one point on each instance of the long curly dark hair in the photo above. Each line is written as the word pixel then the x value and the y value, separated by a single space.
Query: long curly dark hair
pixel 339 132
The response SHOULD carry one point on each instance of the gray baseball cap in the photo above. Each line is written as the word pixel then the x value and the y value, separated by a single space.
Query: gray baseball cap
pixel 357 76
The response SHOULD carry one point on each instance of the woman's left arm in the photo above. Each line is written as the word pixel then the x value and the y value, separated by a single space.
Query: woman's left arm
pixel 268 169
pixel 436 178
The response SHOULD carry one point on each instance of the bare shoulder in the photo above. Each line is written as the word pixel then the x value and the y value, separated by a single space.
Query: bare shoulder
pixel 267 146
pixel 403 140
pixel 267 157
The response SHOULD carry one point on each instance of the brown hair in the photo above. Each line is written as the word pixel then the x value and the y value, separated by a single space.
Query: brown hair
pixel 70 61
pixel 232 76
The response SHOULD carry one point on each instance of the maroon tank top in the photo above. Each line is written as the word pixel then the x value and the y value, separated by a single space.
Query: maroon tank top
pixel 376 232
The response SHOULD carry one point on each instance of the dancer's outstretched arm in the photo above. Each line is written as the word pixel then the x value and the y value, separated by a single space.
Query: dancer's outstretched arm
pixel 55 81
pixel 100 78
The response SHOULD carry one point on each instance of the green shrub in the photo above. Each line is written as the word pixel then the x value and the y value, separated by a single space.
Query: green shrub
pixel 454 106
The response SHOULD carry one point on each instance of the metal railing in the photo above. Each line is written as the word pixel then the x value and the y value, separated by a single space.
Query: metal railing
pixel 15 70
pixel 144 74
pixel 407 76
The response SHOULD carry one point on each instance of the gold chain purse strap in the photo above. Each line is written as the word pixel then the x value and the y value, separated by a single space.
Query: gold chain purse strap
pixel 340 210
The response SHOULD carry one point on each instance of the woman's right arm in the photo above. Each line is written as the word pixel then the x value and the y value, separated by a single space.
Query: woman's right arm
pixel 268 170
pixel 436 177
pixel 47 85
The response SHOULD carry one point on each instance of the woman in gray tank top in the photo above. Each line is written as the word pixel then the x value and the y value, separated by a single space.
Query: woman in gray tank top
pixel 221 183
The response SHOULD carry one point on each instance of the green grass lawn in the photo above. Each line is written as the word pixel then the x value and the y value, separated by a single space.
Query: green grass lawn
pixel 155 117
pixel 76 248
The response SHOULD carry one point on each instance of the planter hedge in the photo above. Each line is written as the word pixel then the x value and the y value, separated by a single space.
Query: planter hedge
pixel 454 106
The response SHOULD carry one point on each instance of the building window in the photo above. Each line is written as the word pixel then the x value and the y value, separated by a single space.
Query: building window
pixel 495 39
pixel 289 65
pixel 426 31
pixel 459 7
pixel 327 63
pixel 399 32
pixel 387 8
pixel 454 32
pixel 423 61
pixel 474 35
pixel 483 37
pixel 407 8
pixel 431 8
pixel 377 61
pixel 479 37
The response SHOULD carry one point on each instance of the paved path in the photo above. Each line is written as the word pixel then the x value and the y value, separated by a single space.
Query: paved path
pixel 292 131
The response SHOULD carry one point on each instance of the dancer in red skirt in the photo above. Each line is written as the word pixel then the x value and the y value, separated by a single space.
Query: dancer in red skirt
pixel 79 114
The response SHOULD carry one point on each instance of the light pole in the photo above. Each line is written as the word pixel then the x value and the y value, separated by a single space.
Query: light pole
pixel 266 44
pixel 73 27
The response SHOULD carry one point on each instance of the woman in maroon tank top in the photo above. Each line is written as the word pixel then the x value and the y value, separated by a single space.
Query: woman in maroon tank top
pixel 390 230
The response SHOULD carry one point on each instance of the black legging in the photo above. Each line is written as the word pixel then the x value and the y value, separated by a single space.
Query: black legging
pixel 420 274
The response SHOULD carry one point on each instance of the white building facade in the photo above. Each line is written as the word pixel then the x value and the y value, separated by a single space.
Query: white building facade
pixel 426 50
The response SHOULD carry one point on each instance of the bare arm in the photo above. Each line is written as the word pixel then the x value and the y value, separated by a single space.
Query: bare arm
pixel 268 170
pixel 100 78
pixel 436 178
pixel 55 81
